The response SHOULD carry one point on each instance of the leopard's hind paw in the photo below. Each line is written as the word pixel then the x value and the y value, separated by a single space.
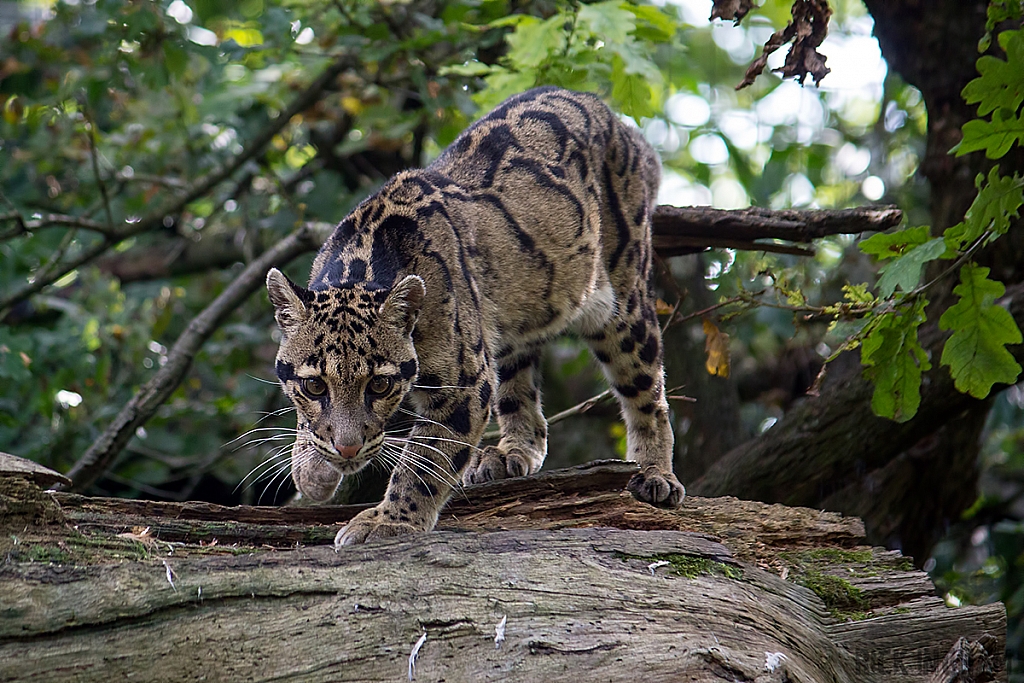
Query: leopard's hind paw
pixel 652 485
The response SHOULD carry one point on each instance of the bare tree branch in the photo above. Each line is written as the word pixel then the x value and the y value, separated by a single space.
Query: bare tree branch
pixel 166 181
pixel 94 160
pixel 50 220
pixel 100 456
pixel 687 230
pixel 578 409
pixel 12 214
pixel 179 256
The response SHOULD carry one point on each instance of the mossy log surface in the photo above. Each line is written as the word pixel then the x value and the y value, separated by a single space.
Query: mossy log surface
pixel 579 578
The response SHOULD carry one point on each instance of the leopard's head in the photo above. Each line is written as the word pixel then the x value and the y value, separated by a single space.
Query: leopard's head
pixel 346 361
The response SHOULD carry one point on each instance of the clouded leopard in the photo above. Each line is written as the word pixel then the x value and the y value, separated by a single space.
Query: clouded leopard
pixel 442 288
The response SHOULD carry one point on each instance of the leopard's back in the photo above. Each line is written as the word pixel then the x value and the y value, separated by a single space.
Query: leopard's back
pixel 555 198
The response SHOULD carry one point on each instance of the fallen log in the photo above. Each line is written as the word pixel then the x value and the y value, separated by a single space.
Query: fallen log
pixel 551 577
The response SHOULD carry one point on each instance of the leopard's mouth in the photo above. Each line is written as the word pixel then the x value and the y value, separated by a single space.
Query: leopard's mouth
pixel 318 469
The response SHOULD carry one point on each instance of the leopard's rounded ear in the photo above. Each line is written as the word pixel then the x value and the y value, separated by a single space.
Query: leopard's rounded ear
pixel 289 309
pixel 402 307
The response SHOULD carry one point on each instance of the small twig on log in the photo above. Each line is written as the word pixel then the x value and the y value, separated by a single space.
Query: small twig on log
pixel 687 230
pixel 100 456
pixel 578 409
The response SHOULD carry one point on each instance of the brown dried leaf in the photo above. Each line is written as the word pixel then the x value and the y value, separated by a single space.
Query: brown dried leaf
pixel 777 40
pixel 807 31
pixel 663 307
pixel 716 345
pixel 731 9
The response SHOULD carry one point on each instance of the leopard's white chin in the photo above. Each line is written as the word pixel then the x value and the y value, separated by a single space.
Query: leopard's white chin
pixel 316 477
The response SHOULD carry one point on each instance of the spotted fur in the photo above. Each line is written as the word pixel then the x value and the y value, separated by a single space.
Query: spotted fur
pixel 444 286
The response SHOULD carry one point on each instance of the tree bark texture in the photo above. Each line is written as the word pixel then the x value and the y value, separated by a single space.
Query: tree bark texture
pixel 550 577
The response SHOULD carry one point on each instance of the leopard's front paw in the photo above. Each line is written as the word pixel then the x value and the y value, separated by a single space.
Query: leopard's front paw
pixel 371 524
pixel 491 463
pixel 653 486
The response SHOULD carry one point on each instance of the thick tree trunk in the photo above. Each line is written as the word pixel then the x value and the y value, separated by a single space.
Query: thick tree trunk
pixel 528 580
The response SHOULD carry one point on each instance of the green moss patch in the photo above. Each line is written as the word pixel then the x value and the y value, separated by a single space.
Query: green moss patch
pixel 39 553
pixel 836 555
pixel 839 595
pixel 816 569
pixel 690 566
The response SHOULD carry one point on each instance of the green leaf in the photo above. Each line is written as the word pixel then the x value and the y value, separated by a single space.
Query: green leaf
pixel 885 245
pixel 612 25
pixel 175 59
pixel 1000 11
pixel 510 20
pixel 502 83
pixel 13 364
pixel 297 157
pixel 1001 83
pixel 905 272
pixel 473 68
pixel 858 294
pixel 894 361
pixel 998 200
pixel 995 136
pixel 976 353
pixel 631 92
pixel 655 26
pixel 533 40
pixel 610 21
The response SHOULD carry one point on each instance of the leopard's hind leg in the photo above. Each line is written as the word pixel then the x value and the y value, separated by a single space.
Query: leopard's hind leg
pixel 628 344
pixel 524 431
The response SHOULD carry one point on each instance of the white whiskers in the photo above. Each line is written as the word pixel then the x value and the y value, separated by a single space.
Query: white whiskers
pixel 260 379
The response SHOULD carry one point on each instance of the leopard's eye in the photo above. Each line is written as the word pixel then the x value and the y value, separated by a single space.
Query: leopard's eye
pixel 379 386
pixel 314 386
